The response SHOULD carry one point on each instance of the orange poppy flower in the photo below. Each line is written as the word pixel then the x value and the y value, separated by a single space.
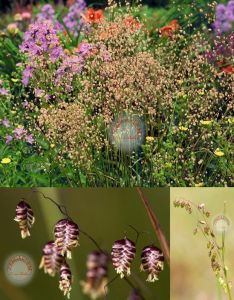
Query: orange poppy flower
pixel 228 69
pixel 168 30
pixel 93 16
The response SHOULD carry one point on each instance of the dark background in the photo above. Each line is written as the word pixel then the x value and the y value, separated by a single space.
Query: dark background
pixel 5 5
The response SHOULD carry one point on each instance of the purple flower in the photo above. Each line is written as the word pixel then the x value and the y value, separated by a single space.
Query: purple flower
pixel 6 123
pixel 224 17
pixel 19 133
pixel 41 39
pixel 84 48
pixel 29 139
pixel 9 138
pixel 25 104
pixel 73 20
pixel 48 13
pixel 3 92
pixel 27 74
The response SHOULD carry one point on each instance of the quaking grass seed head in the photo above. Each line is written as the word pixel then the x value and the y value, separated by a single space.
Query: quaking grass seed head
pixel 96 275
pixel 25 218
pixel 65 281
pixel 51 259
pixel 152 262
pixel 122 254
pixel 66 234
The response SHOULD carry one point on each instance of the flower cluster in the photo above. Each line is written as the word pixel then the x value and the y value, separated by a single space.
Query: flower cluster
pixel 73 20
pixel 3 90
pixel 25 218
pixel 96 276
pixel 76 142
pixel 224 17
pixel 16 133
pixel 41 44
pixel 47 12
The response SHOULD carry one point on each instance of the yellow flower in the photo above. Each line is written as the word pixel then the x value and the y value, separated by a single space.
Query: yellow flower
pixel 149 139
pixel 218 152
pixel 5 160
pixel 200 184
pixel 231 120
pixel 183 128
pixel 52 146
pixel 205 122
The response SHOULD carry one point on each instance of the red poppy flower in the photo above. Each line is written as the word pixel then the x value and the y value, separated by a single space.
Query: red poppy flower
pixel 93 16
pixel 228 69
pixel 168 30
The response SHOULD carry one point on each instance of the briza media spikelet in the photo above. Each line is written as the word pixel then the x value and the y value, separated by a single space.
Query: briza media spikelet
pixel 25 218
pixel 123 253
pixel 96 275
pixel 65 280
pixel 51 259
pixel 152 262
pixel 66 234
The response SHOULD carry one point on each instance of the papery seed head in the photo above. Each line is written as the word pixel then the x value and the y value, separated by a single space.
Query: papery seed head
pixel 65 279
pixel 96 275
pixel 66 234
pixel 51 259
pixel 123 253
pixel 152 262
pixel 25 218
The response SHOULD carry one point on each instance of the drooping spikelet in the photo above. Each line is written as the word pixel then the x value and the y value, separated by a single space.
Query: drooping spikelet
pixel 25 218
pixel 51 260
pixel 123 253
pixel 66 234
pixel 96 276
pixel 152 261
pixel 65 280
pixel 134 295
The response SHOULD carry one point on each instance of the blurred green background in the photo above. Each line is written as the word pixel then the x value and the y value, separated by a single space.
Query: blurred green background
pixel 192 277
pixel 104 214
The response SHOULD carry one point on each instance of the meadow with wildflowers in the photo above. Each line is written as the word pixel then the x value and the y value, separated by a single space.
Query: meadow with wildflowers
pixel 117 95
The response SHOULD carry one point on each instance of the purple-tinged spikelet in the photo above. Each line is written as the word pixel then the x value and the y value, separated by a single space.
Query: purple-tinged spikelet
pixel 66 234
pixel 25 218
pixel 51 260
pixel 134 295
pixel 152 262
pixel 65 280
pixel 123 253
pixel 96 276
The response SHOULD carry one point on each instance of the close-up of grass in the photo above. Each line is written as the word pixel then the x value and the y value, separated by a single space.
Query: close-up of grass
pixel 116 95
pixel 103 216
pixel 201 252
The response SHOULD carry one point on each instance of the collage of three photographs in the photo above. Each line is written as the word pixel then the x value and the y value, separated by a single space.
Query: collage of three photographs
pixel 117 150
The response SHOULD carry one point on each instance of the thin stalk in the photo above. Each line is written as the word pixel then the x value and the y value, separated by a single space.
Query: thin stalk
pixel 156 226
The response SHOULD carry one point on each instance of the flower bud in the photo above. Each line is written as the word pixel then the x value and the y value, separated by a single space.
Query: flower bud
pixel 152 261
pixel 51 260
pixel 123 253
pixel 25 218
pixel 66 236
